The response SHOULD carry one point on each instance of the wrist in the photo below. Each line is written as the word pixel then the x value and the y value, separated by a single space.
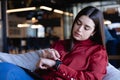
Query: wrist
pixel 57 64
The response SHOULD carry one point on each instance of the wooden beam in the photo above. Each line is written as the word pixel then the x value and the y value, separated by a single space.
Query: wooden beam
pixel 114 57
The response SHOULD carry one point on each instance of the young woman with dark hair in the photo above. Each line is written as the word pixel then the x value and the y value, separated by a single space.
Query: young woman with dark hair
pixel 83 56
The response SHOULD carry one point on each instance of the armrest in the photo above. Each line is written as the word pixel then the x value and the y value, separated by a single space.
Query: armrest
pixel 112 73
pixel 26 60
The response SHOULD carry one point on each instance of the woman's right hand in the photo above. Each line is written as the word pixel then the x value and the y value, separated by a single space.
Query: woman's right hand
pixel 50 54
pixel 45 63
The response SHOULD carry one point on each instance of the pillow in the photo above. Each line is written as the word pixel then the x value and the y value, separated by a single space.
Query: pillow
pixel 112 73
pixel 26 60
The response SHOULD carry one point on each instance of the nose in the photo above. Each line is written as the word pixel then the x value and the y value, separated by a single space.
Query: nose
pixel 80 28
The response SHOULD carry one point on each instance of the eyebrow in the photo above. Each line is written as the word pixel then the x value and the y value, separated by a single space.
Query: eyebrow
pixel 81 22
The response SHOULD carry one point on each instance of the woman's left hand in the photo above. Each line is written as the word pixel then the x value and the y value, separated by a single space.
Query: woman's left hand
pixel 50 53
pixel 45 63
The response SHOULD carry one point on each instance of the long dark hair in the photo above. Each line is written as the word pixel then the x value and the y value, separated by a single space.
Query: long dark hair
pixel 97 16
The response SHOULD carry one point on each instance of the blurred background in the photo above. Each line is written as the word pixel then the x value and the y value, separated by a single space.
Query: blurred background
pixel 28 25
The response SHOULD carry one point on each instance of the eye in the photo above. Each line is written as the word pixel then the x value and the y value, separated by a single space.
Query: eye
pixel 87 28
pixel 79 22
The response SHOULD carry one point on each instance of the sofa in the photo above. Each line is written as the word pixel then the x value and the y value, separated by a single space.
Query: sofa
pixel 29 60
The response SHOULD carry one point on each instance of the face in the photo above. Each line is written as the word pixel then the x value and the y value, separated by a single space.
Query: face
pixel 83 28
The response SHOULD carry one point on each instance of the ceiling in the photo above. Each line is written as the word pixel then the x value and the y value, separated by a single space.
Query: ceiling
pixel 55 4
pixel 59 4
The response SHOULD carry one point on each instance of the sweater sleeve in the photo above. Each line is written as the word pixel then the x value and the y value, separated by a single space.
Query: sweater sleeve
pixel 95 71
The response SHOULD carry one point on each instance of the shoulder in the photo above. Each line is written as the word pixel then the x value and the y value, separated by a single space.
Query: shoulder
pixel 99 47
pixel 99 50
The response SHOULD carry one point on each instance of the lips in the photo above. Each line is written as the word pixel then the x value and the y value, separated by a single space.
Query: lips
pixel 77 34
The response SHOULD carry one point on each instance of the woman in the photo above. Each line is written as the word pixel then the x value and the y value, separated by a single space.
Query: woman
pixel 82 57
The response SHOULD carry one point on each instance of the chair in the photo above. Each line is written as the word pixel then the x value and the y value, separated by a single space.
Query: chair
pixel 29 60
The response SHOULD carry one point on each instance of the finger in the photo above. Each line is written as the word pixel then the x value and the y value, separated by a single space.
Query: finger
pixel 55 55
pixel 45 51
pixel 41 66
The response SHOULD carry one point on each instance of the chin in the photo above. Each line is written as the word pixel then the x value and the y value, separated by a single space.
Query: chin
pixel 77 39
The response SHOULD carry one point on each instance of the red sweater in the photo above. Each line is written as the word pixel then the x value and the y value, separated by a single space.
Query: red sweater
pixel 86 61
